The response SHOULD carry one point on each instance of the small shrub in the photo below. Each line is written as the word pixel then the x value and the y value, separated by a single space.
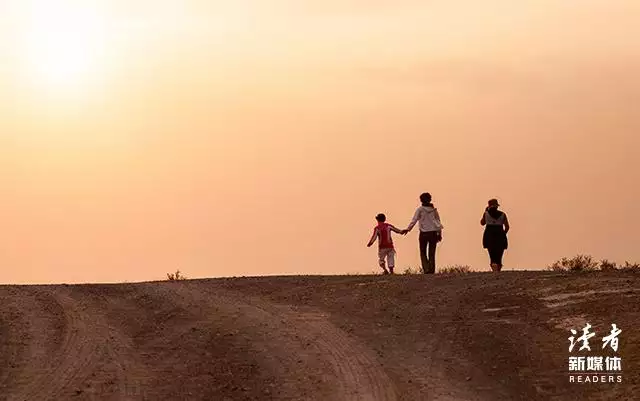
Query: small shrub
pixel 411 270
pixel 360 273
pixel 631 266
pixel 455 269
pixel 606 266
pixel 177 276
pixel 577 263
pixel 582 263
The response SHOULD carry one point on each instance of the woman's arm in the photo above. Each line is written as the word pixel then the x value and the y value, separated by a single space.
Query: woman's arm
pixel 415 219
pixel 506 224
pixel 436 214
pixel 483 221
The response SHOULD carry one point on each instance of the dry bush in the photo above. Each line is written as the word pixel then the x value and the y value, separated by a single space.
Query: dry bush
pixel 605 265
pixel 177 276
pixel 411 270
pixel 631 266
pixel 579 263
pixel 455 269
pixel 585 263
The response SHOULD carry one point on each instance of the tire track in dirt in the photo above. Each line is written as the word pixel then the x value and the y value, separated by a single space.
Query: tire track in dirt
pixel 126 376
pixel 354 372
pixel 362 378
pixel 69 342
pixel 53 337
pixel 13 337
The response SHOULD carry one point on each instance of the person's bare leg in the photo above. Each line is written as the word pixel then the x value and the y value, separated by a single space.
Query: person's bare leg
pixel 499 255
pixel 391 260
pixel 384 268
pixel 496 259
pixel 381 260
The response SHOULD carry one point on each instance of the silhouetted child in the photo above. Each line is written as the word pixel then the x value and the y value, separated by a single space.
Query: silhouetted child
pixel 386 251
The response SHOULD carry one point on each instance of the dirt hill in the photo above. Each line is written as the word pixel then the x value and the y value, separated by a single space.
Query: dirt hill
pixel 469 337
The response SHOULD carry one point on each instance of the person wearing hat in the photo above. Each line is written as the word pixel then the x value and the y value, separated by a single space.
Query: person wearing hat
pixel 494 239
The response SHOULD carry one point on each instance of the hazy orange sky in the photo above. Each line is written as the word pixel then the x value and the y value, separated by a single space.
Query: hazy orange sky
pixel 261 137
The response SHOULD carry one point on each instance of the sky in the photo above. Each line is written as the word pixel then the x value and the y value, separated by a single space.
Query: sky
pixel 261 137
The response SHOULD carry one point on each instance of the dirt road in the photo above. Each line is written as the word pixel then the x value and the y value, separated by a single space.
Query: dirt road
pixel 361 338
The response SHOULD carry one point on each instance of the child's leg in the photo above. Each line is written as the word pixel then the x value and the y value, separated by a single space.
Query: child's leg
pixel 382 254
pixel 391 260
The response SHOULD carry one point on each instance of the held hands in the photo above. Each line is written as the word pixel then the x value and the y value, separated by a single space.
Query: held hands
pixel 402 232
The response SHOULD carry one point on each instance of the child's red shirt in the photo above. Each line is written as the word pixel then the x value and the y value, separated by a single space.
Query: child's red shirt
pixel 383 232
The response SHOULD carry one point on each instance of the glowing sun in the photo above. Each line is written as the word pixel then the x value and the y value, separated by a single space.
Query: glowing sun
pixel 64 45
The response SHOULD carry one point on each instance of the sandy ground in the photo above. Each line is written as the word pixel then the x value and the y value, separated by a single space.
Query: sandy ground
pixel 363 338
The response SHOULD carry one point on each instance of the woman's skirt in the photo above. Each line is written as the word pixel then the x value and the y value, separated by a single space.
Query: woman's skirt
pixel 494 238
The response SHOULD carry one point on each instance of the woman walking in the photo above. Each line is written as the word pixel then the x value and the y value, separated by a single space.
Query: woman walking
pixel 494 239
pixel 430 232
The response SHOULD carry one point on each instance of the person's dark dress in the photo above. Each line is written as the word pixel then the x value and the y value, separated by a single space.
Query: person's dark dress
pixel 494 235
pixel 495 238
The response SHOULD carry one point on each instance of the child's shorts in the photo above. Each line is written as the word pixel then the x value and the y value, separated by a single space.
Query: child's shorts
pixel 389 254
